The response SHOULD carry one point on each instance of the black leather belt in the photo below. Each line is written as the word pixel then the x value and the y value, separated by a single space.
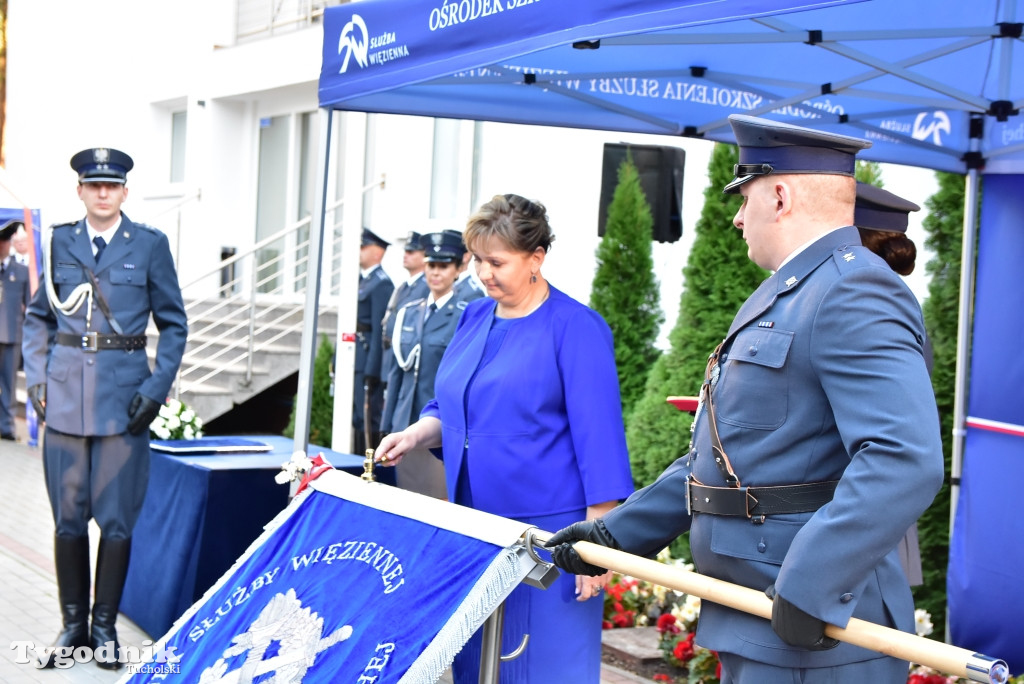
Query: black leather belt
pixel 751 502
pixel 362 327
pixel 92 341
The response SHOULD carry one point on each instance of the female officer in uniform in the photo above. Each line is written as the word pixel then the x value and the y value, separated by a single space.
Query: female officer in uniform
pixel 881 219
pixel 423 329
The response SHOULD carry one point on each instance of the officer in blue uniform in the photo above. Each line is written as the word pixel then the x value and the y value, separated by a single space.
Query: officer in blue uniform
pixel 415 287
pixel 14 298
pixel 882 220
pixel 375 288
pixel 423 329
pixel 817 442
pixel 89 378
pixel 467 288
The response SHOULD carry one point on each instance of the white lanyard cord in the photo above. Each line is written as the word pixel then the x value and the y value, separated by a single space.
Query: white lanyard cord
pixel 74 301
pixel 405 362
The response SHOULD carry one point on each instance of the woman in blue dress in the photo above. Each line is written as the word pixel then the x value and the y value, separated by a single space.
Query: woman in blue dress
pixel 528 414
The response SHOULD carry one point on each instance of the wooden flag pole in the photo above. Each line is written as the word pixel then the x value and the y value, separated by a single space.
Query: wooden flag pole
pixel 892 642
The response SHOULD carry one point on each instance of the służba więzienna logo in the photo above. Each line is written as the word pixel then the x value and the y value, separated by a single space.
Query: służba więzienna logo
pixel 930 125
pixel 355 38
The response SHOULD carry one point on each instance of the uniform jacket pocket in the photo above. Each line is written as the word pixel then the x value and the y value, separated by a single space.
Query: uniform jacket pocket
pixel 131 375
pixel 755 372
pixel 128 277
pixel 68 273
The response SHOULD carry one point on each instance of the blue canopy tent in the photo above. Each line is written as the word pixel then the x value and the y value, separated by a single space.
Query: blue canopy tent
pixel 936 86
pixel 18 214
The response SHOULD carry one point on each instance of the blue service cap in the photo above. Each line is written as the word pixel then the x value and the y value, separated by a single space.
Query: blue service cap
pixel 102 165
pixel 444 246
pixel 8 230
pixel 412 242
pixel 456 235
pixel 879 209
pixel 768 146
pixel 371 238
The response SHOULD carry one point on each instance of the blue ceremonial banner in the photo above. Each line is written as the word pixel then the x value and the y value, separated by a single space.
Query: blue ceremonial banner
pixel 339 591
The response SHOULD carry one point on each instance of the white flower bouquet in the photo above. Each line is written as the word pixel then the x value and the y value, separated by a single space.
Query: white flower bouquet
pixel 176 421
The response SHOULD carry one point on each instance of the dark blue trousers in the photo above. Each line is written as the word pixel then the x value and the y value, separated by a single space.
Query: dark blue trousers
pixel 104 478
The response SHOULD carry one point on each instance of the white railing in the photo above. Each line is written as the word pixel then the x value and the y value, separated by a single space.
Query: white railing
pixel 257 299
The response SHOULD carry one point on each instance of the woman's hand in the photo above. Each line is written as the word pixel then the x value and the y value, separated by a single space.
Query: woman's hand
pixel 425 433
pixel 591 587
pixel 392 448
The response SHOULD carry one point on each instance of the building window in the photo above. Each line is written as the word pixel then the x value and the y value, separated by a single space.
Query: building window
pixel 179 127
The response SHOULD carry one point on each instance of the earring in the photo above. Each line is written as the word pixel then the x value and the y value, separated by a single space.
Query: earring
pixel 533 277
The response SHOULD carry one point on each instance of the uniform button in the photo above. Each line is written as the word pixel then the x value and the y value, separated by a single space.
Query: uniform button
pixel 846 598
pixel 761 546
pixel 753 351
pixel 89 362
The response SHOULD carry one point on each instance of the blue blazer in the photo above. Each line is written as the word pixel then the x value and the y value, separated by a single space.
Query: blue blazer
pixel 89 393
pixel 822 377
pixel 545 434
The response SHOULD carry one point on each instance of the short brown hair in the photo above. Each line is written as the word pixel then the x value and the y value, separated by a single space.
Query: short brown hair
pixel 520 223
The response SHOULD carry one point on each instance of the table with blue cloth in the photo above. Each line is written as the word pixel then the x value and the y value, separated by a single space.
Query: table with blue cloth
pixel 202 511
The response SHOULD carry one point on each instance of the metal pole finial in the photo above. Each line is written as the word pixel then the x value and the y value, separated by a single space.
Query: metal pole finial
pixel 368 466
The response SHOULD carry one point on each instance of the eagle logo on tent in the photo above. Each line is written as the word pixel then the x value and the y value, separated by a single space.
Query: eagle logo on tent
pixel 356 38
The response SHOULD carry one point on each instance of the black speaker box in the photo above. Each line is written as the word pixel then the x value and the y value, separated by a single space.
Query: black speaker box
pixel 661 177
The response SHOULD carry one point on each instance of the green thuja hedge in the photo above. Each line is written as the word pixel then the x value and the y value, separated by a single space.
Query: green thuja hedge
pixel 625 291
pixel 718 278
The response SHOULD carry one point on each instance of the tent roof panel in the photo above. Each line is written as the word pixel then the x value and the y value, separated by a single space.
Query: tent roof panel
pixel 908 80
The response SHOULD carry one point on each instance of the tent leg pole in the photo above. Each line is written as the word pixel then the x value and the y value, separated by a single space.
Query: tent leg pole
pixel 314 266
pixel 963 348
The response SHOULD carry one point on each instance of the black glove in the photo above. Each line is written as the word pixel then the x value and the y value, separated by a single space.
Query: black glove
pixel 141 412
pixel 565 556
pixel 370 382
pixel 37 395
pixel 796 627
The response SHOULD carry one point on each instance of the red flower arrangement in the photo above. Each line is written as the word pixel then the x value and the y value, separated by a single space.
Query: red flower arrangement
pixel 621 601
pixel 918 678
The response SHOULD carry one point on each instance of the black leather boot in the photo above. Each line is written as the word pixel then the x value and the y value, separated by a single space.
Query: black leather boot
pixel 71 556
pixel 111 570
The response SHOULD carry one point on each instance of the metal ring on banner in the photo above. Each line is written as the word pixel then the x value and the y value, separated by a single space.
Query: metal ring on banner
pixel 529 539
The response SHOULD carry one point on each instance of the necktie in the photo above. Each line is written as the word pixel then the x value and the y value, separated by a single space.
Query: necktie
pixel 101 245
pixel 430 310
